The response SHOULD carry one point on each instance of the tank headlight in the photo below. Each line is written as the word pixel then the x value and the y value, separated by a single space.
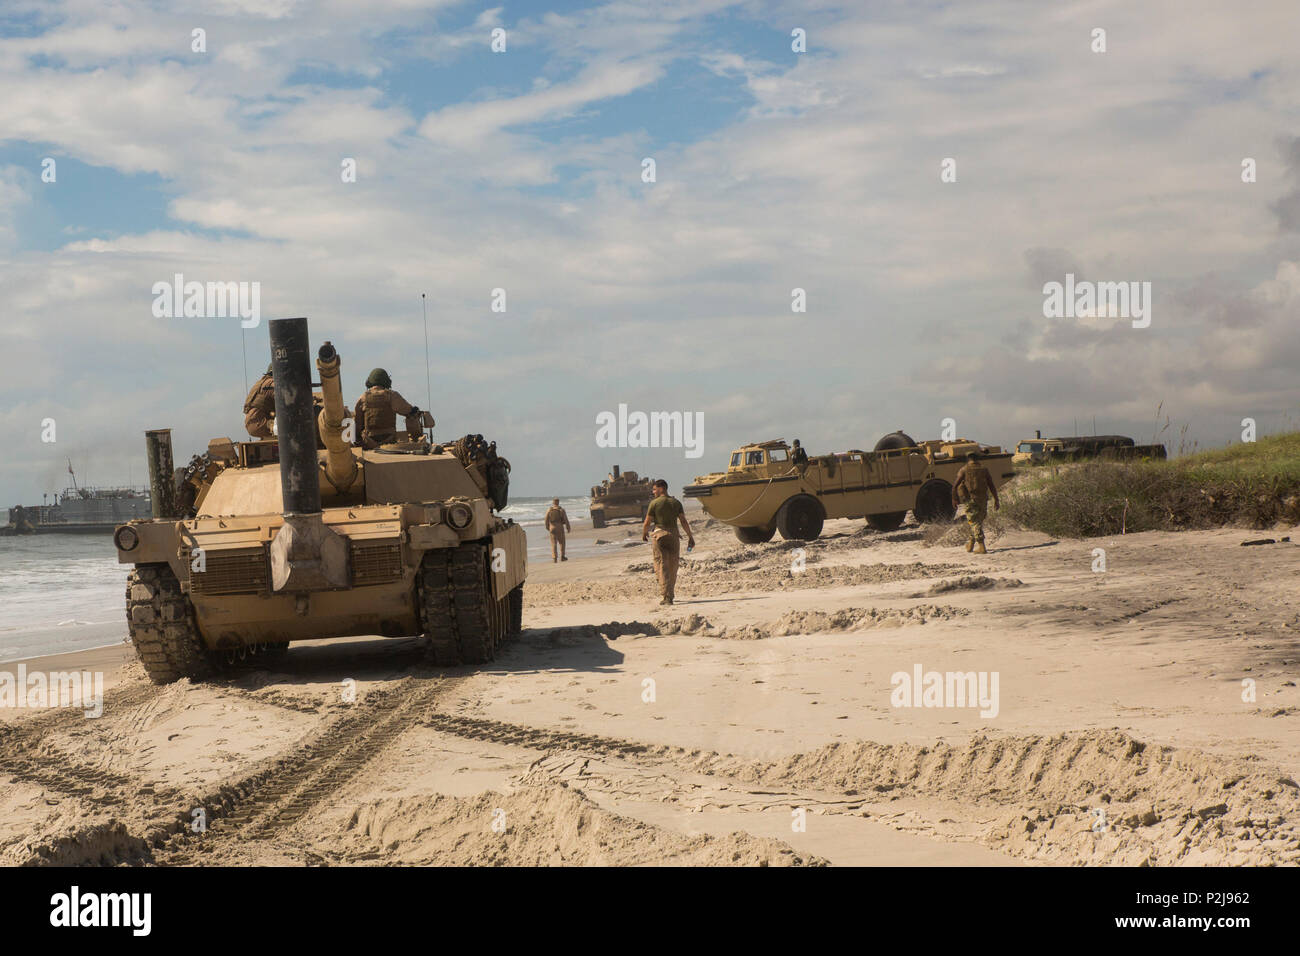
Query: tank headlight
pixel 126 539
pixel 459 515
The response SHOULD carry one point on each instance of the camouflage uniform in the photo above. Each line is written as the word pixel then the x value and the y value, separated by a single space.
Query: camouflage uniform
pixel 973 485
pixel 259 407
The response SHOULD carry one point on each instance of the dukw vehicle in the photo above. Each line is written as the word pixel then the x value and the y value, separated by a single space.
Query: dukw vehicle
pixel 620 495
pixel 763 491
pixel 284 542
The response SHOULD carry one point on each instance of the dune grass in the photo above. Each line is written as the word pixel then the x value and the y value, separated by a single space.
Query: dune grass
pixel 1252 484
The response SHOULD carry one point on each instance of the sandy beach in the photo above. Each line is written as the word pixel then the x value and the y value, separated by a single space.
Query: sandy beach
pixel 1144 714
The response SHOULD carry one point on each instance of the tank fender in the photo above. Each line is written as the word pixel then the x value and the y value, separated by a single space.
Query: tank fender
pixel 508 559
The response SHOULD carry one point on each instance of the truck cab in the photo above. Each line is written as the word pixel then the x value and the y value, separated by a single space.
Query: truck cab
pixel 767 459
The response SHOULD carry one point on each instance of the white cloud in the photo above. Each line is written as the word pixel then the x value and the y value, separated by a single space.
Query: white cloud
pixel 1127 164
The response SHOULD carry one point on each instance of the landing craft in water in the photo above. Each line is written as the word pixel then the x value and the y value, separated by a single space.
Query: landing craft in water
pixel 81 511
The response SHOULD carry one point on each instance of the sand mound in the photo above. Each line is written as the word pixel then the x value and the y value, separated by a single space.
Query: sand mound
pixel 100 844
pixel 701 579
pixel 1077 796
pixel 543 823
pixel 970 582
pixel 954 535
pixel 812 622
pixel 610 631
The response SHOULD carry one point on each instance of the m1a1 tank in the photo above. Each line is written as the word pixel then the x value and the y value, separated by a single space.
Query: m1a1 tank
pixel 620 495
pixel 281 541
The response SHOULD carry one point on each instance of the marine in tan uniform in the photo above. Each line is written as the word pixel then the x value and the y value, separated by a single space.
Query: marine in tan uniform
pixel 259 407
pixel 377 409
pixel 974 484
pixel 664 512
pixel 557 523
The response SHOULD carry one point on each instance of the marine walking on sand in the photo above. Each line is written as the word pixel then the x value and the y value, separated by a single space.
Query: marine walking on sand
pixel 664 512
pixel 557 523
pixel 973 486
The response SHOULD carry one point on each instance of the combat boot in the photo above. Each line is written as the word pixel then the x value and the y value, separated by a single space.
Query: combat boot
pixel 970 543
pixel 979 548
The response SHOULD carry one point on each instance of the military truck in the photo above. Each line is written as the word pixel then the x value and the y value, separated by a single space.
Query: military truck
pixel 620 495
pixel 287 542
pixel 763 491
pixel 1039 450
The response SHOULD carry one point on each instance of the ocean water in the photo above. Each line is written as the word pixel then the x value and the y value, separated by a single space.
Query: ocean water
pixel 60 592
pixel 65 592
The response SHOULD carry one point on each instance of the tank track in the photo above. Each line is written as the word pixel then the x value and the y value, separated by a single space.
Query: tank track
pixel 160 620
pixel 462 622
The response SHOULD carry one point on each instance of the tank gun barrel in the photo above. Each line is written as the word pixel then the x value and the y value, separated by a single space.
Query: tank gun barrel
pixel 340 463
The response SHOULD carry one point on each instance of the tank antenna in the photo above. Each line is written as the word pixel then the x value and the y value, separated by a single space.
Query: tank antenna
pixel 243 347
pixel 428 378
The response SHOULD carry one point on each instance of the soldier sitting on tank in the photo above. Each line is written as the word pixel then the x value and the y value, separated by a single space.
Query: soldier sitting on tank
pixel 259 407
pixel 377 409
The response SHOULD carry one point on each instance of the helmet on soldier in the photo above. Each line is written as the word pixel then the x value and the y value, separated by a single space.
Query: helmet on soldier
pixel 378 378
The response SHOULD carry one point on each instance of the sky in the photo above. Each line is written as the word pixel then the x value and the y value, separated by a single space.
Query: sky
pixel 775 169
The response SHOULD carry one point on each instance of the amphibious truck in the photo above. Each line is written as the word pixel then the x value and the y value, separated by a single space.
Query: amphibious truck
pixel 620 495
pixel 281 541
pixel 763 491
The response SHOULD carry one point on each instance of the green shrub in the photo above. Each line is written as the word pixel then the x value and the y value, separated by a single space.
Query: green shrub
pixel 1254 484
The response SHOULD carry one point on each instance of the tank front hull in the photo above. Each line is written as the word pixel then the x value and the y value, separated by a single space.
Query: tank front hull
pixel 385 610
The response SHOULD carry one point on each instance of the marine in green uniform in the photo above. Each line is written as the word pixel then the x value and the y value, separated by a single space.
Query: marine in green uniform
pixel 664 513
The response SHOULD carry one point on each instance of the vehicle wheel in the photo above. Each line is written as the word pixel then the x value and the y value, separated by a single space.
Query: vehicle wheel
pixel 890 521
pixel 597 519
pixel 264 655
pixel 800 518
pixel 895 440
pixel 755 535
pixel 934 502
pixel 160 620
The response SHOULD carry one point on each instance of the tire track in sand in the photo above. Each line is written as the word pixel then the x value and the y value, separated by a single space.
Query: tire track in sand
pixel 283 790
pixel 26 755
